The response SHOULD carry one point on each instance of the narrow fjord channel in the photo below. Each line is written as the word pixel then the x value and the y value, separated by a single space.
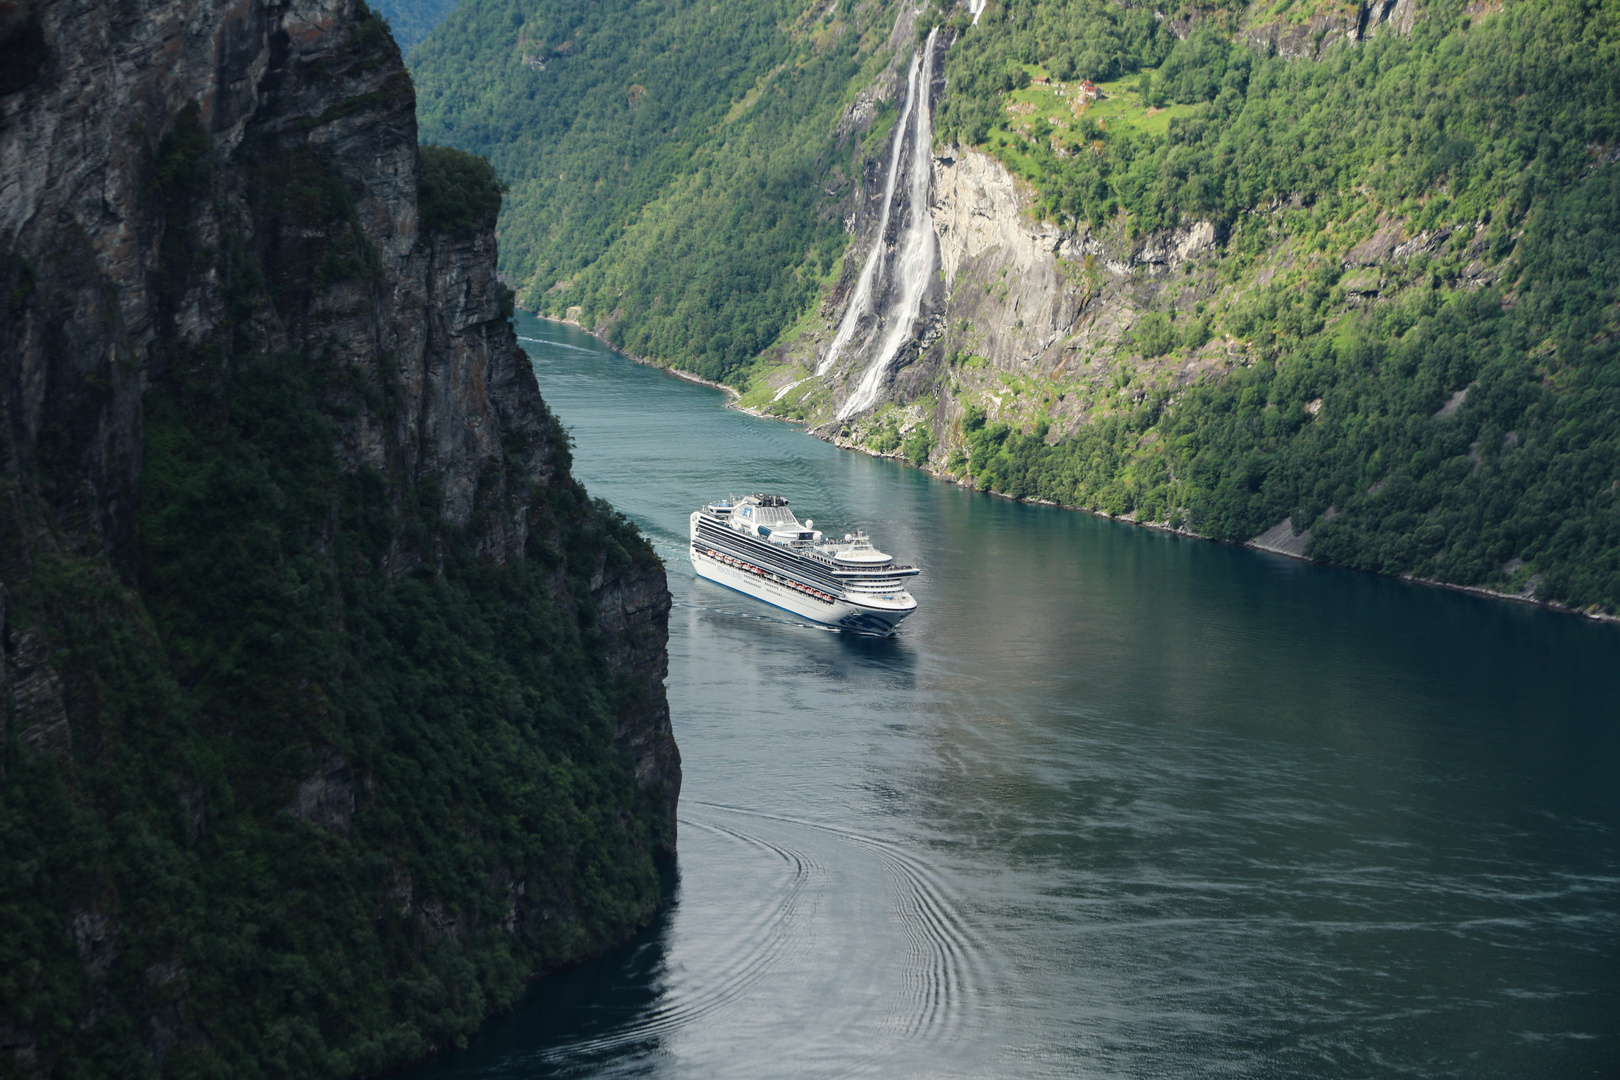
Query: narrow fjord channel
pixel 1112 804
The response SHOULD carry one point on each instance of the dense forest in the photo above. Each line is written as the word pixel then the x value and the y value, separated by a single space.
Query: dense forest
pixel 670 171
pixel 1454 122
pixel 1446 408
pixel 305 765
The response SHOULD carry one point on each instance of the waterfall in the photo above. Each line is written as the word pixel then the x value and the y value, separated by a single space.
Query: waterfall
pixel 860 303
pixel 976 8
pixel 915 261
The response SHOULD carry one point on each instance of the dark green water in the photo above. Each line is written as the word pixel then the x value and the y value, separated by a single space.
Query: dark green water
pixel 1112 803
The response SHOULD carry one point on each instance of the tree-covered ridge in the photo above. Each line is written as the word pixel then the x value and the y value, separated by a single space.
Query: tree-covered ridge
pixel 459 192
pixel 1454 414
pixel 1459 121
pixel 674 172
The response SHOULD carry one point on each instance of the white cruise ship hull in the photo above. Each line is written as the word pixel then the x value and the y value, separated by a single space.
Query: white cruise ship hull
pixel 876 617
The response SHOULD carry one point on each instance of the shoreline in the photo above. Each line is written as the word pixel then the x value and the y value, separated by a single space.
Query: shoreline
pixel 1164 527
pixel 644 362
pixel 1183 531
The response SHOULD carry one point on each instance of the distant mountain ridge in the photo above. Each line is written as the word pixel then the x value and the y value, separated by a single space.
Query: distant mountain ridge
pixel 412 20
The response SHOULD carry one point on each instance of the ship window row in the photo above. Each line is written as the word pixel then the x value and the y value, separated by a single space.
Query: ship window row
pixel 745 546
pixel 795 573
pixel 763 555
pixel 776 561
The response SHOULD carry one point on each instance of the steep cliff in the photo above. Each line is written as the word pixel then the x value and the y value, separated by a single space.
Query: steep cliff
pixel 1310 283
pixel 1027 321
pixel 332 707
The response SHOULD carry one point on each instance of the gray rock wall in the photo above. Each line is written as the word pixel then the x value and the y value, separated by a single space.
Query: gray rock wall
pixel 83 224
pixel 82 218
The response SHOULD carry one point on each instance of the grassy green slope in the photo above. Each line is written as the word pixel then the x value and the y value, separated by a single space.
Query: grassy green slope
pixel 673 167
pixel 1501 128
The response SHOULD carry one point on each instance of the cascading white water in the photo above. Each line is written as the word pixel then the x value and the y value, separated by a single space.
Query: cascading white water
pixel 917 244
pixel 976 8
pixel 860 303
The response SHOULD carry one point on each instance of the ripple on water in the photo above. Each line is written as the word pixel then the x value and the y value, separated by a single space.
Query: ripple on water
pixel 947 966
pixel 759 940
pixel 1112 804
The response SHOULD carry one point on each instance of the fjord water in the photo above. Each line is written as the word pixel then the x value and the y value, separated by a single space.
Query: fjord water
pixel 1112 803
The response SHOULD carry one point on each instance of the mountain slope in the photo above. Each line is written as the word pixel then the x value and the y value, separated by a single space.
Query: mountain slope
pixel 673 170
pixel 412 20
pixel 1367 293
pixel 1332 274
pixel 331 707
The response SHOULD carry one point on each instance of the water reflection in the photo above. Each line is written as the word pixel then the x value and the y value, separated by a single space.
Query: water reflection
pixel 576 1021
pixel 1112 803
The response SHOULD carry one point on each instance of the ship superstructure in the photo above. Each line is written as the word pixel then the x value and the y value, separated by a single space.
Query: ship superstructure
pixel 755 545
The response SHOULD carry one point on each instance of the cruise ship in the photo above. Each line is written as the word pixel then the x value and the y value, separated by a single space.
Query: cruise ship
pixel 755 545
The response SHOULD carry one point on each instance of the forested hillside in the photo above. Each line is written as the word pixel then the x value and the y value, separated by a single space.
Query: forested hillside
pixel 1487 133
pixel 1468 119
pixel 1346 267
pixel 331 706
pixel 673 170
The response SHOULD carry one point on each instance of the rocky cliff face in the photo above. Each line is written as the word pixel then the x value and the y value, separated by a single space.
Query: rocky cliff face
pixel 300 150
pixel 1293 39
pixel 1031 301
pixel 1018 299
pixel 1040 327
pixel 263 429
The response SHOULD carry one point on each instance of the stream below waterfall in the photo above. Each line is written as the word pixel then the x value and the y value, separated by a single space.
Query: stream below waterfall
pixel 1112 804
